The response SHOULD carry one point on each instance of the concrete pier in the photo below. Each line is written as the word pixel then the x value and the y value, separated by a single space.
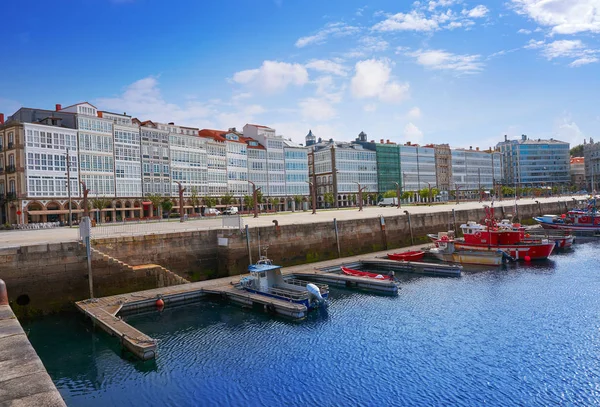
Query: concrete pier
pixel 23 378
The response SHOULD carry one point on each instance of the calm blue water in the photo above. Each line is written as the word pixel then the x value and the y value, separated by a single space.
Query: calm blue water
pixel 527 335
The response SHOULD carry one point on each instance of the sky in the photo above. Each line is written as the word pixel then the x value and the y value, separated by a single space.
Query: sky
pixel 463 72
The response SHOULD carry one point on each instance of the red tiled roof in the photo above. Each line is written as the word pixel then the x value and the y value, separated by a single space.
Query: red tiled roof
pixel 247 140
pixel 577 160
pixel 217 135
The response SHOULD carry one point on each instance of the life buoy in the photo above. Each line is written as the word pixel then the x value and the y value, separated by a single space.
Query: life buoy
pixel 477 234
pixel 584 219
pixel 444 238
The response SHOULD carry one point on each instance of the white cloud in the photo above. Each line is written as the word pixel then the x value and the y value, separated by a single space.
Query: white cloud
pixel 327 66
pixel 573 49
pixel 443 60
pixel 567 130
pixel 432 5
pixel 413 21
pixel 372 79
pixel 583 61
pixel 315 109
pixel 563 16
pixel 524 31
pixel 144 98
pixel 414 113
pixel 273 76
pixel 454 24
pixel 371 107
pixel 373 44
pixel 476 12
pixel 412 133
pixel 330 30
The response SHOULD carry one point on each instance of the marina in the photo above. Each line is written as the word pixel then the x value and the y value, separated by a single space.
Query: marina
pixel 283 299
pixel 472 339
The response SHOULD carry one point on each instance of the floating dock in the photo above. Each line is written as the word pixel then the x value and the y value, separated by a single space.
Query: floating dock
pixel 104 311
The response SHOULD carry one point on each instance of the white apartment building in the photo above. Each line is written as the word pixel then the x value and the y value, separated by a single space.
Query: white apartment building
pixel 128 164
pixel 46 149
pixel 296 169
pixel 257 164
pixel 154 146
pixel 237 165
pixel 340 167
pixel 96 150
pixel 275 157
pixel 474 170
pixel 216 161
pixel 188 164
pixel 418 167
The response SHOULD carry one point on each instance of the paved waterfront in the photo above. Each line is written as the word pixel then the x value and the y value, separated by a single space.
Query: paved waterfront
pixel 28 237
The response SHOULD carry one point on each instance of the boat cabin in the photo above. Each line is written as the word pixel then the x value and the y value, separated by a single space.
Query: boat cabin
pixel 500 234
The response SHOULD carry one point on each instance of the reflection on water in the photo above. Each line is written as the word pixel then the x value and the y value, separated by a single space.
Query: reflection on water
pixel 522 334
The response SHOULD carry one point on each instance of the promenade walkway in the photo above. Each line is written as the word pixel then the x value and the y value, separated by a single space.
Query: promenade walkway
pixel 30 237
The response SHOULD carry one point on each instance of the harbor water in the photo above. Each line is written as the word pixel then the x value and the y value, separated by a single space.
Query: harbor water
pixel 524 334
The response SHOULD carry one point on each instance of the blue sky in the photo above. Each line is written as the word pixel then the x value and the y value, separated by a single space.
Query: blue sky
pixel 443 71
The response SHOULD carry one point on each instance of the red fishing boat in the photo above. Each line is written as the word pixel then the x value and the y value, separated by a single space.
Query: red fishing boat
pixel 510 238
pixel 407 256
pixel 358 273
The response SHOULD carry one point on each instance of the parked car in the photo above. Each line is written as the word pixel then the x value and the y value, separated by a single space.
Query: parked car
pixel 388 202
pixel 232 210
pixel 211 212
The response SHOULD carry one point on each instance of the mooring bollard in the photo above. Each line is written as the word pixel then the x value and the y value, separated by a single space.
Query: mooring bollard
pixel 337 237
pixel 3 293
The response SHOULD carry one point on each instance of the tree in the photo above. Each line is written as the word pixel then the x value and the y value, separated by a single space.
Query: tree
pixel 226 199
pixel 406 195
pixel 167 205
pixel 248 202
pixel 156 200
pixel 298 200
pixel 353 198
pixel 577 151
pixel 259 196
pixel 373 198
pixel 389 194
pixel 100 203
pixel 194 199
pixel 328 198
pixel 424 193
pixel 507 190
pixel 209 201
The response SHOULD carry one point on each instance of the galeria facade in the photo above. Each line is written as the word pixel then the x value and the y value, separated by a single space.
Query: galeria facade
pixel 123 160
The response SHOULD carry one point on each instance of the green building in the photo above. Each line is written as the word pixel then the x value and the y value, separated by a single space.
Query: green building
pixel 388 167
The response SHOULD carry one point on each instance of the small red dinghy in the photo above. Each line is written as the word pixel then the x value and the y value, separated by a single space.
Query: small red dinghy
pixel 407 256
pixel 358 273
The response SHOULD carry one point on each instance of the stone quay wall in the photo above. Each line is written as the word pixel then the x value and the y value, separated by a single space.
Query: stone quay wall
pixel 48 277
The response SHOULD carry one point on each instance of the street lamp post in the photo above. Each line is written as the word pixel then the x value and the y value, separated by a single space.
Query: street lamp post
pixel 313 194
pixel 255 197
pixel 398 193
pixel 181 191
pixel 360 196
pixel 457 188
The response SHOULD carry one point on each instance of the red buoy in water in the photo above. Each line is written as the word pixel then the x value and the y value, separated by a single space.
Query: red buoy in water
pixel 527 258
pixel 160 303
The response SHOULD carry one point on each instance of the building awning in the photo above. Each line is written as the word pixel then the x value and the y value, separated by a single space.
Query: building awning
pixel 146 203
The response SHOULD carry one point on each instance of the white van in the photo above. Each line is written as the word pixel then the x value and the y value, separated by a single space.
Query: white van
pixel 388 202
pixel 211 212
pixel 232 210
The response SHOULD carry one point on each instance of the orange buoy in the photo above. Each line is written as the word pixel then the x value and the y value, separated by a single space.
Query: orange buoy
pixel 160 303
pixel 527 258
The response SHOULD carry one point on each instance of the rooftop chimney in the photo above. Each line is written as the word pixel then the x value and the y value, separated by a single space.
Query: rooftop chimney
pixel 171 124
pixel 477 148
pixel 523 137
pixel 387 141
pixel 58 107
pixel 381 141
pixel 1 118
pixel 505 137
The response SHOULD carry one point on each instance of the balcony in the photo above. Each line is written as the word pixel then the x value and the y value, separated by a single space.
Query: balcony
pixel 1 170
pixel 11 196
pixel 11 146
pixel 10 169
